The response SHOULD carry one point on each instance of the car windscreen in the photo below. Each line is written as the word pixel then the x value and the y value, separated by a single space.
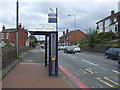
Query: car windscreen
pixel 118 50
pixel 75 47
pixel 69 47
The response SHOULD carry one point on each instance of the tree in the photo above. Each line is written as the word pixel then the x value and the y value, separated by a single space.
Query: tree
pixel 91 38
pixel 33 41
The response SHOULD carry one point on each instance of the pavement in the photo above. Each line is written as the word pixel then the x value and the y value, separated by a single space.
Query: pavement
pixel 30 72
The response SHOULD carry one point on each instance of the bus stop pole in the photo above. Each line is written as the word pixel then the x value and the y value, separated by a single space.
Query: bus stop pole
pixel 45 50
pixel 50 61
pixel 56 62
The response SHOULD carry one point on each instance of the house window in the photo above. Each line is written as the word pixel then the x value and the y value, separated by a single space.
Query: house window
pixel 2 35
pixel 7 35
pixel 116 28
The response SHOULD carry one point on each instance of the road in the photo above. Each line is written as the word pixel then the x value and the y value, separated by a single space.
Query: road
pixel 93 69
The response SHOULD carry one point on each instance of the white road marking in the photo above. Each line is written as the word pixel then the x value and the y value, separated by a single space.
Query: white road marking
pixel 72 56
pixel 90 62
pixel 30 60
pixel 104 68
pixel 63 53
pixel 116 71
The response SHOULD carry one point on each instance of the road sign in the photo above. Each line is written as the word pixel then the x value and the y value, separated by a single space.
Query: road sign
pixel 52 15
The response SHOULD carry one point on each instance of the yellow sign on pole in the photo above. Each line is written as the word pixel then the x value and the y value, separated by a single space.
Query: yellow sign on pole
pixel 78 44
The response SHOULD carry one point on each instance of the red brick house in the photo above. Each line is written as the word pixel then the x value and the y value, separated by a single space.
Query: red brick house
pixel 9 36
pixel 71 37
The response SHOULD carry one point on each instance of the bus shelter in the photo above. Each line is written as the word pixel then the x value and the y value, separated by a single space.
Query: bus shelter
pixel 51 49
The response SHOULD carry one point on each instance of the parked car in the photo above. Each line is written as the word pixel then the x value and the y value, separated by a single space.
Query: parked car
pixel 77 48
pixel 119 60
pixel 59 47
pixel 113 53
pixel 69 49
pixel 62 47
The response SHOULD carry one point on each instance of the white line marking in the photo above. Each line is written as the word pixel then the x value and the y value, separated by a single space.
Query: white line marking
pixel 72 56
pixel 115 71
pixel 90 62
pixel 63 53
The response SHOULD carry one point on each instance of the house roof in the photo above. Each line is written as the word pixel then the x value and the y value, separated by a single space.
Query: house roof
pixel 25 30
pixel 115 15
pixel 9 30
pixel 67 34
pixel 70 33
pixel 12 30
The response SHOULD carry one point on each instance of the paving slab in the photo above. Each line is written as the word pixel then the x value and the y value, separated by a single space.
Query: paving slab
pixel 32 75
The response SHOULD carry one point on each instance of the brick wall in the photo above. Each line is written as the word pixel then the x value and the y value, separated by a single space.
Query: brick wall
pixel 96 49
pixel 72 36
pixel 22 37
pixel 9 54
pixel 76 36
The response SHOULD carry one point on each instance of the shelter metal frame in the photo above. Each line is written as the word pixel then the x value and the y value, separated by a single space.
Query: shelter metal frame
pixel 53 71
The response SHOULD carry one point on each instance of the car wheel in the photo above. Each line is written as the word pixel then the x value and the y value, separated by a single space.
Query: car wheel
pixel 107 56
pixel 118 62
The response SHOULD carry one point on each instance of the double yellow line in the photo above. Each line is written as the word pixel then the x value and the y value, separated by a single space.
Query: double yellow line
pixel 107 82
pixel 112 81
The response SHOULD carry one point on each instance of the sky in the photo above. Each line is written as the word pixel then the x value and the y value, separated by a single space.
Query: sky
pixel 34 13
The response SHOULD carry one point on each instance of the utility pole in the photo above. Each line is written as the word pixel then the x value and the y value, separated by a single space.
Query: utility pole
pixel 17 29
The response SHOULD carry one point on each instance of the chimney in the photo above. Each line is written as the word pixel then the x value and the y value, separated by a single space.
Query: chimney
pixel 20 25
pixel 67 31
pixel 3 27
pixel 63 32
pixel 112 12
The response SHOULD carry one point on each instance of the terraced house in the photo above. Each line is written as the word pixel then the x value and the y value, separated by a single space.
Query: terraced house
pixel 70 37
pixel 110 23
pixel 9 36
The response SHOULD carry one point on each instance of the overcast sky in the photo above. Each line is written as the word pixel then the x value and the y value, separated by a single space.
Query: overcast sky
pixel 34 13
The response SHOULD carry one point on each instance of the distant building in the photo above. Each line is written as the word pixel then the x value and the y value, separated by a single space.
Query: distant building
pixel 69 38
pixel 9 36
pixel 110 23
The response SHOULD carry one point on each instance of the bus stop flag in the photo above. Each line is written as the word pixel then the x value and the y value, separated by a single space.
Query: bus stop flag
pixel 52 15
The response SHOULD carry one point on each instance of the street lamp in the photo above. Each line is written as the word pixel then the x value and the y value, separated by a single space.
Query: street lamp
pixel 74 23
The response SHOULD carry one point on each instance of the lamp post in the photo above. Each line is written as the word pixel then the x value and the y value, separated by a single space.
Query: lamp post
pixel 74 23
pixel 17 35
